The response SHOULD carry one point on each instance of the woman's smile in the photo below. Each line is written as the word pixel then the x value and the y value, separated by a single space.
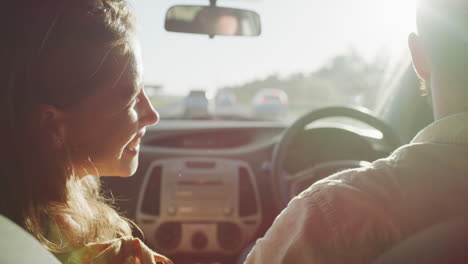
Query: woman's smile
pixel 133 147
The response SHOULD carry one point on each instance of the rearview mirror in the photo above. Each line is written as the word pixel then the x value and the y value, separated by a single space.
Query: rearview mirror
pixel 212 20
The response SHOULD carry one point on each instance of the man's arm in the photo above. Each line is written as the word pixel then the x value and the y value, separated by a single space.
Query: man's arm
pixel 331 222
pixel 294 235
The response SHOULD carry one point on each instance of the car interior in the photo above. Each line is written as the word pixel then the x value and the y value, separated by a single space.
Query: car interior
pixel 14 238
pixel 208 187
pixel 206 192
pixel 442 243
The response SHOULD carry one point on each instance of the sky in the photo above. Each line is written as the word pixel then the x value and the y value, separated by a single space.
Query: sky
pixel 297 36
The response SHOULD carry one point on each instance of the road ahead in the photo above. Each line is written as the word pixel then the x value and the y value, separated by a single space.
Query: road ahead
pixel 176 109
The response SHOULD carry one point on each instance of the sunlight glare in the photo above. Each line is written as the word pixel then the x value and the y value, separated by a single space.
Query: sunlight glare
pixel 399 19
pixel 385 25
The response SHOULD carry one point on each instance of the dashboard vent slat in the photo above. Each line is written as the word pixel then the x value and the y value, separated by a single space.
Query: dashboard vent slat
pixel 200 183
pixel 247 204
pixel 200 165
pixel 152 198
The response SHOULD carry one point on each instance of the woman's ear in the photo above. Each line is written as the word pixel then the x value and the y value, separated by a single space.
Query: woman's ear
pixel 51 123
pixel 420 59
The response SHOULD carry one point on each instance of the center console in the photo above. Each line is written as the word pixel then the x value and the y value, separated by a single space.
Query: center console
pixel 199 205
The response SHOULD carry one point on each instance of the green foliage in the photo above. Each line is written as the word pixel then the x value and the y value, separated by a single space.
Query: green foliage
pixel 345 80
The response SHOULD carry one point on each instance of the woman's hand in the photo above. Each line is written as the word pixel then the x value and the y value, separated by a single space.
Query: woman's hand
pixel 126 250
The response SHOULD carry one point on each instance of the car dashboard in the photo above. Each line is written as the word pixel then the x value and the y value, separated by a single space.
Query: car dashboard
pixel 202 190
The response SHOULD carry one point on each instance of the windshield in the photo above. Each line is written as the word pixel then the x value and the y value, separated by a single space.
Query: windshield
pixel 310 54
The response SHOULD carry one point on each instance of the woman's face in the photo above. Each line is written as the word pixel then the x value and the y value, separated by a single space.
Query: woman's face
pixel 103 131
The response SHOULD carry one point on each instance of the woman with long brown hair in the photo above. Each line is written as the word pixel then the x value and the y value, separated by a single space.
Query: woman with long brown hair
pixel 73 108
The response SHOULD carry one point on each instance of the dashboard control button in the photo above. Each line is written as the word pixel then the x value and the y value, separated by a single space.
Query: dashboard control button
pixel 172 210
pixel 228 211
pixel 168 236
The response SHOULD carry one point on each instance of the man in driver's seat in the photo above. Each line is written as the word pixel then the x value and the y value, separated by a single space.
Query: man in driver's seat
pixel 357 215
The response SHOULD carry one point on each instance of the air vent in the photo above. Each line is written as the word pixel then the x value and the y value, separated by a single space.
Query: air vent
pixel 229 236
pixel 168 236
pixel 247 201
pixel 200 165
pixel 152 198
pixel 200 182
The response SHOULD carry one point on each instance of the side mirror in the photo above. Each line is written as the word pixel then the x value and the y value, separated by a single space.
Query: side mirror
pixel 212 20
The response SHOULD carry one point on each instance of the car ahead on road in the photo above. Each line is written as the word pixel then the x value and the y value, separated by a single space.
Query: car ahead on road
pixel 224 100
pixel 270 104
pixel 196 104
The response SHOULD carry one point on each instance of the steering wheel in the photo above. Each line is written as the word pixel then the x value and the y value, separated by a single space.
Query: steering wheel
pixel 282 182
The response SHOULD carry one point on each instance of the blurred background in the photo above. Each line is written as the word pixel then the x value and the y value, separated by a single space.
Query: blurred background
pixel 310 54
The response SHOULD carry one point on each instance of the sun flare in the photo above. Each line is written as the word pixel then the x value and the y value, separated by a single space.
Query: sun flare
pixel 383 25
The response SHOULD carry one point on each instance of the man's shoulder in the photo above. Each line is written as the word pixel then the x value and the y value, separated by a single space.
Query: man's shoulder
pixel 331 221
pixel 374 179
pixel 345 211
pixel 353 197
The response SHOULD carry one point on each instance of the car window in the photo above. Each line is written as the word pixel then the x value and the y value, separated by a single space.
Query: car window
pixel 320 53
